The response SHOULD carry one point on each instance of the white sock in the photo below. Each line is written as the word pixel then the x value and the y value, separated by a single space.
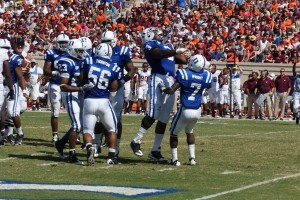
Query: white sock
pixel 111 150
pixel 20 131
pixel 192 150
pixel 97 139
pixel 118 146
pixel 9 131
pixel 139 135
pixel 174 154
pixel 157 142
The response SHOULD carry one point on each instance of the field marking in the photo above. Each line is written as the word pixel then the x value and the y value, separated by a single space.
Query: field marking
pixel 38 154
pixel 249 186
pixel 106 167
pixel 6 159
pixel 165 169
pixel 119 191
pixel 229 172
pixel 48 164
pixel 248 134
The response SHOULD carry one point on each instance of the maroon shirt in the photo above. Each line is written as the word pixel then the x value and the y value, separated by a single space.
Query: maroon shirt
pixel 265 85
pixel 250 85
pixel 282 84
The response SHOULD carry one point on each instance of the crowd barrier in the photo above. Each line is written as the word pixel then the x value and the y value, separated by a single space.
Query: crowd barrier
pixel 248 67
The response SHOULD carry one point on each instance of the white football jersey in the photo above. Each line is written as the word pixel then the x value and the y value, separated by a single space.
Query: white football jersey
pixel 3 57
pixel 144 76
pixel 215 84
pixel 34 74
pixel 236 81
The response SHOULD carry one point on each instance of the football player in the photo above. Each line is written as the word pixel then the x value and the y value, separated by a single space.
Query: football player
pixel 5 69
pixel 213 92
pixel 191 81
pixel 161 58
pixel 54 85
pixel 70 70
pixel 103 74
pixel 143 88
pixel 122 57
pixel 13 104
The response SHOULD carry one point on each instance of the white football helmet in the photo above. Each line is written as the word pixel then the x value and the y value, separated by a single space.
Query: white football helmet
pixel 4 43
pixel 104 50
pixel 198 63
pixel 62 42
pixel 149 34
pixel 76 49
pixel 109 37
pixel 87 43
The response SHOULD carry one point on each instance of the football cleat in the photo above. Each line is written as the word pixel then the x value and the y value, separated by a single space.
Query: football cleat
pixel 1 143
pixel 175 163
pixel 156 156
pixel 297 120
pixel 60 149
pixel 192 161
pixel 73 158
pixel 136 148
pixel 112 162
pixel 11 139
pixel 90 156
pixel 19 139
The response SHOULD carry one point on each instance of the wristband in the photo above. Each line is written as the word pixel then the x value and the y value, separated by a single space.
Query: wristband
pixel 24 91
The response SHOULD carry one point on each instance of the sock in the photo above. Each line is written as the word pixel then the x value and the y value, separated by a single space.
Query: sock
pixel 157 142
pixel 20 131
pixel 111 153
pixel 65 138
pixel 118 146
pixel 174 154
pixel 88 146
pixel 9 131
pixel 192 150
pixel 139 135
pixel 55 133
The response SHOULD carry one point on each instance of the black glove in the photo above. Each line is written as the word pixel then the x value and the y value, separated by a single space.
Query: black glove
pixel 11 95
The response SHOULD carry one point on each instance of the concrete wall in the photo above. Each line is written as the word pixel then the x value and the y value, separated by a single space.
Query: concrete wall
pixel 246 66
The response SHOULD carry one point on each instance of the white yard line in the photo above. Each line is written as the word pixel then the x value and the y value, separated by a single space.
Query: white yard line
pixel 49 164
pixel 249 186
pixel 165 169
pixel 6 159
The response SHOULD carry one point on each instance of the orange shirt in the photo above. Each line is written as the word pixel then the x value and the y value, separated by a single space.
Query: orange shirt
pixel 120 26
pixel 139 28
pixel 274 7
pixel 100 18
pixel 288 23
pixel 229 12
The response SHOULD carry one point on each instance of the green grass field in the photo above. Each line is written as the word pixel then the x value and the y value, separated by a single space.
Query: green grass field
pixel 237 159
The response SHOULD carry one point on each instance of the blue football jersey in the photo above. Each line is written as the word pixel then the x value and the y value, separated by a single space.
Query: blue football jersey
pixel 50 56
pixel 121 56
pixel 192 85
pixel 69 67
pixel 14 62
pixel 101 73
pixel 88 59
pixel 160 66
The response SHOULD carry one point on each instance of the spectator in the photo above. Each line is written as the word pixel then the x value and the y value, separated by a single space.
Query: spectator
pixel 283 88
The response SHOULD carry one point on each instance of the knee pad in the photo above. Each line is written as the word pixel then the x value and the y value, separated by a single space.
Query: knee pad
pixel 147 121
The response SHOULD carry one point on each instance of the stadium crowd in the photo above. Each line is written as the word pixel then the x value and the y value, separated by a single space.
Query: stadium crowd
pixel 259 30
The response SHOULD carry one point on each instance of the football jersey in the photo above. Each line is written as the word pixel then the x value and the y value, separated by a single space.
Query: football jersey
pixel 144 77
pixel 87 60
pixel 160 66
pixel 101 73
pixel 34 74
pixel 236 81
pixel 14 62
pixel 69 67
pixel 215 83
pixel 297 83
pixel 50 56
pixel 121 56
pixel 192 85
pixel 3 57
